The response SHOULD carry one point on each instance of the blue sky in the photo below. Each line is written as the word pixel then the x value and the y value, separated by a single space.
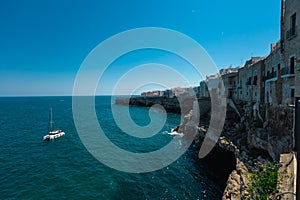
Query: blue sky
pixel 43 43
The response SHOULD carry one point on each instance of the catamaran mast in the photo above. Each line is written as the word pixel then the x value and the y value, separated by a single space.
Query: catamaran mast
pixel 51 122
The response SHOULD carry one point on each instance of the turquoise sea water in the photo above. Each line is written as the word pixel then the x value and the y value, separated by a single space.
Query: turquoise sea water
pixel 31 168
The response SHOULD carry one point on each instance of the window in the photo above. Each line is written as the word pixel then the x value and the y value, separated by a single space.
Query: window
pixel 292 31
pixel 292 93
pixel 293 22
pixel 292 65
pixel 273 74
pixel 249 81
pixel 268 74
pixel 255 80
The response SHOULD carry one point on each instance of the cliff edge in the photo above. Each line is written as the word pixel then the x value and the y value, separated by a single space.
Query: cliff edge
pixel 256 135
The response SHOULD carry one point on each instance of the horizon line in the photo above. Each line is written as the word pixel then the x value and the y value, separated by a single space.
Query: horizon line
pixel 7 96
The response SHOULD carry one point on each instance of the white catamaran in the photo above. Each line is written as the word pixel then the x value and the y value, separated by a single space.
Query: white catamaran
pixel 56 133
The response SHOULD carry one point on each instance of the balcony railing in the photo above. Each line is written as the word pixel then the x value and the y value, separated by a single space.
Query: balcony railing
pixel 270 76
pixel 231 86
pixel 285 71
pixel 290 33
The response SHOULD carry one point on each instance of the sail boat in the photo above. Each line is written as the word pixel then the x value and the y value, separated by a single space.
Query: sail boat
pixel 56 133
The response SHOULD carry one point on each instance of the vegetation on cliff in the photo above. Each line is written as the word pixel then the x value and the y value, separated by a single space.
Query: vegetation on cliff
pixel 264 182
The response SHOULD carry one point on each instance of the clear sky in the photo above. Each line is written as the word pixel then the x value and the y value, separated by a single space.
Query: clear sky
pixel 43 43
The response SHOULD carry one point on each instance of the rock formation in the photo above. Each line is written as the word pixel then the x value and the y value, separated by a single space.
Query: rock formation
pixel 256 135
pixel 180 105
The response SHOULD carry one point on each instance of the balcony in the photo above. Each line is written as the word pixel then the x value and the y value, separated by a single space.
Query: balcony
pixel 232 86
pixel 286 72
pixel 291 33
pixel 270 77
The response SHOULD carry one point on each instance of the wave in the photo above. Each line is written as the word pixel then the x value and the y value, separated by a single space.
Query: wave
pixel 174 133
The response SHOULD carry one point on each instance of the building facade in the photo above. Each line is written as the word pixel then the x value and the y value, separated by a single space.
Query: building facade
pixel 290 39
pixel 272 82
pixel 256 81
pixel 230 81
pixel 203 90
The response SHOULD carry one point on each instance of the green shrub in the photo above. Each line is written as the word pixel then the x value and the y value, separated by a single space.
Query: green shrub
pixel 264 182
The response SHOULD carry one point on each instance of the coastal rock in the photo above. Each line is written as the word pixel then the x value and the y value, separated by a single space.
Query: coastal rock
pixel 237 183
pixel 232 190
pixel 280 129
pixel 254 141
pixel 287 178
pixel 181 104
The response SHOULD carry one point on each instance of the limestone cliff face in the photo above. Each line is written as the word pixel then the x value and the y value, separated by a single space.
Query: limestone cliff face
pixel 256 135
pixel 274 134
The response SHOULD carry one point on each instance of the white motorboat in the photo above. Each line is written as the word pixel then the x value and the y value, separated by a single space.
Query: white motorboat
pixel 56 133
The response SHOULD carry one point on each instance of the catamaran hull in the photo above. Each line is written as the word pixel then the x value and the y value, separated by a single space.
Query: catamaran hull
pixel 54 136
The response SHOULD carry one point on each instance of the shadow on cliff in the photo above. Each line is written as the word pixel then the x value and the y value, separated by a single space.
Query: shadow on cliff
pixel 219 163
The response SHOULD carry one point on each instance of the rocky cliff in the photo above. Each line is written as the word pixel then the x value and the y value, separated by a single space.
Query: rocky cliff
pixel 180 105
pixel 253 135
pixel 256 135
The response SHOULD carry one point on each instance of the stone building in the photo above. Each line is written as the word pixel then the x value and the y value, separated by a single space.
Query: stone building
pixel 290 40
pixel 256 81
pixel 168 94
pixel 203 90
pixel 242 81
pixel 230 81
pixel 196 90
pixel 156 93
pixel 215 85
pixel 249 85
pixel 272 83
pixel 228 70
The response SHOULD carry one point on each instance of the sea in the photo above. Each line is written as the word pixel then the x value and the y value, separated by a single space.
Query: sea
pixel 31 168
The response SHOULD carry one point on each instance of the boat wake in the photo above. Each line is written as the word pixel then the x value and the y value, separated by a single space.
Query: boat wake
pixel 174 133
